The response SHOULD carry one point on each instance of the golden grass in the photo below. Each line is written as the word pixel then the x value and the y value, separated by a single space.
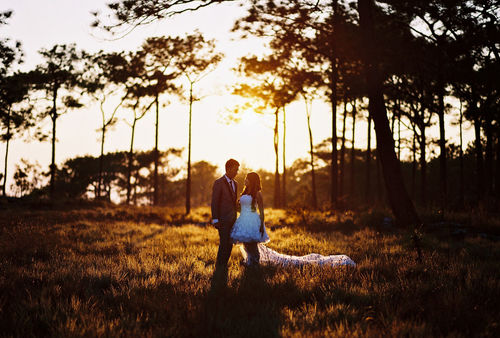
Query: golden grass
pixel 129 272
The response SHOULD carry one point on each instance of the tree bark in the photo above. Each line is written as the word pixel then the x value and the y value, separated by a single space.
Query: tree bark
pixel 334 166
pixel 414 165
pixel 368 160
pixel 283 195
pixel 314 197
pixel 155 174
pixel 497 176
pixel 378 164
pixel 101 159
pixel 53 159
pixel 423 167
pixel 188 180
pixel 333 100
pixel 442 143
pixel 488 157
pixel 352 189
pixel 461 191
pixel 136 179
pixel 479 157
pixel 393 123
pixel 399 128
pixel 6 154
pixel 130 162
pixel 400 202
pixel 277 189
pixel 342 153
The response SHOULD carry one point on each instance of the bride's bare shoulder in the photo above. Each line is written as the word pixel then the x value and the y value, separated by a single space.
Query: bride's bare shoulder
pixel 259 196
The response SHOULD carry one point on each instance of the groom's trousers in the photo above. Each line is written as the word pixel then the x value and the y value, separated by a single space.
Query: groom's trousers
pixel 225 244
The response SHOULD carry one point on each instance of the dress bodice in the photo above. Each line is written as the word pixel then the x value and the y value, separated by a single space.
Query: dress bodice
pixel 246 203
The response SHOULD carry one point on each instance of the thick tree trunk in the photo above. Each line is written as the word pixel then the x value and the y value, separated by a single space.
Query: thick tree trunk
pixel 334 166
pixel 400 202
pixel 414 166
pixel 314 197
pixel 53 159
pixel 497 176
pixel 461 191
pixel 423 168
pixel 333 101
pixel 368 192
pixel 130 162
pixel 342 152
pixel 399 129
pixel 380 190
pixel 101 160
pixel 488 158
pixel 353 149
pixel 156 157
pixel 393 123
pixel 283 195
pixel 136 179
pixel 442 144
pixel 479 158
pixel 4 187
pixel 277 189
pixel 188 180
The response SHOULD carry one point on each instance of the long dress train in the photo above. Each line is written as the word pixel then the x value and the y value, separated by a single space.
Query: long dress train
pixel 271 257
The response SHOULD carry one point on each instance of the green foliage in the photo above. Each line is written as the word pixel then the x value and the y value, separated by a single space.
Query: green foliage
pixel 120 271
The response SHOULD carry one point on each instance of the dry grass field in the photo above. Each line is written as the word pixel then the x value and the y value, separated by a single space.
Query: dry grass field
pixel 135 272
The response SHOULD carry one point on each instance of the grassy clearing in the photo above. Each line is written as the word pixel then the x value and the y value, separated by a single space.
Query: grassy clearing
pixel 130 272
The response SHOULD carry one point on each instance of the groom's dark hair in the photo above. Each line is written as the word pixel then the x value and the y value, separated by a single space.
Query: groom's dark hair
pixel 231 163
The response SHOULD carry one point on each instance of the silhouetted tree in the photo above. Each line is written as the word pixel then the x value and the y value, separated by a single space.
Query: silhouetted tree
pixel 140 98
pixel 197 58
pixel 27 178
pixel 15 117
pixel 273 91
pixel 342 151
pixel 161 58
pixel 399 200
pixel 353 138
pixel 314 195
pixel 13 89
pixel 58 77
pixel 105 78
pixel 129 14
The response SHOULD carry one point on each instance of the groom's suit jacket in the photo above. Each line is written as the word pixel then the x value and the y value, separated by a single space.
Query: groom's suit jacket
pixel 224 201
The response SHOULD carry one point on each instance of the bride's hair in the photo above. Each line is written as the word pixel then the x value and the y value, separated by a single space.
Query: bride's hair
pixel 253 187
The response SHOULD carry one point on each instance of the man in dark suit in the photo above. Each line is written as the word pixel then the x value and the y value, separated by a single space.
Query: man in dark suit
pixel 224 199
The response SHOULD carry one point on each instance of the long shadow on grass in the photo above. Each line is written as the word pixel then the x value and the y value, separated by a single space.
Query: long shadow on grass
pixel 244 309
pixel 252 306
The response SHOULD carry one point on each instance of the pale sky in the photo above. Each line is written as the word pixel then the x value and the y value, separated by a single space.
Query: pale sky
pixel 41 24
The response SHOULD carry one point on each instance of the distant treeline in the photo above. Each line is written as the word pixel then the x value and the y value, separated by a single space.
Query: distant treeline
pixel 361 183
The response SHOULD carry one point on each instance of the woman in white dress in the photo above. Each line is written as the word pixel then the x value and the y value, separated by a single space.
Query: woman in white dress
pixel 249 229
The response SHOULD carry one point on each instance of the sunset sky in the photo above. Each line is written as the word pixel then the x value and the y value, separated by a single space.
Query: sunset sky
pixel 41 24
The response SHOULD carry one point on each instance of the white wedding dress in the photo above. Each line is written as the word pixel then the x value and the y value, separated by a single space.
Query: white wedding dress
pixel 246 229
pixel 247 225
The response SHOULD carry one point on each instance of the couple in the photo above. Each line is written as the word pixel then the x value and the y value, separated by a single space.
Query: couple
pixel 249 229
